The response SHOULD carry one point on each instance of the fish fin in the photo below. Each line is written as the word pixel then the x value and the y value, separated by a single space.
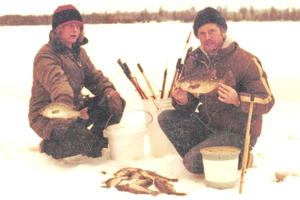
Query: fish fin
pixel 194 86
pixel 105 186
pixel 83 113
pixel 180 194
pixel 55 112
pixel 229 79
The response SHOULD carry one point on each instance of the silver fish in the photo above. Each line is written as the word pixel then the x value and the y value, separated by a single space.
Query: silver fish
pixel 136 189
pixel 126 172
pixel 153 176
pixel 204 82
pixel 112 182
pixel 63 111
pixel 167 188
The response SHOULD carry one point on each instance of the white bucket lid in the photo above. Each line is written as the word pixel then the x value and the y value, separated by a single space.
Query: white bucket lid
pixel 220 153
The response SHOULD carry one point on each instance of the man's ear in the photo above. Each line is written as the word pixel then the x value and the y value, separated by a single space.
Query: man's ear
pixel 223 32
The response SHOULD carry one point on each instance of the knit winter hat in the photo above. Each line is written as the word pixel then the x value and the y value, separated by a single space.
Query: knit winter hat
pixel 64 15
pixel 206 16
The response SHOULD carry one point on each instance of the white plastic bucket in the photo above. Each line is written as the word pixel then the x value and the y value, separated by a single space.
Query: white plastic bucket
pixel 159 144
pixel 220 166
pixel 126 142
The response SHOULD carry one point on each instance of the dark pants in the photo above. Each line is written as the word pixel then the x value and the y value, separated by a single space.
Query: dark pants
pixel 77 139
pixel 189 133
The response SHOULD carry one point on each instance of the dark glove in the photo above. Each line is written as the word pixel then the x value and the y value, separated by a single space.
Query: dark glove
pixel 60 127
pixel 115 106
pixel 61 124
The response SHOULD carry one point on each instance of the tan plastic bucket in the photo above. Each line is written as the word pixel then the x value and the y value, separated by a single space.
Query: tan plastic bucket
pixel 159 144
pixel 220 166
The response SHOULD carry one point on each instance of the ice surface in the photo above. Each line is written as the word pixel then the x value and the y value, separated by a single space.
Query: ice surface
pixel 26 173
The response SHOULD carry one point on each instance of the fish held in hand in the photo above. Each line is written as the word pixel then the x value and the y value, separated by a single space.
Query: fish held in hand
pixel 204 82
pixel 63 111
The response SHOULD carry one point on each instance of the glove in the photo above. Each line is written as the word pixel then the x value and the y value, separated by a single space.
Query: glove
pixel 180 95
pixel 60 127
pixel 61 124
pixel 115 106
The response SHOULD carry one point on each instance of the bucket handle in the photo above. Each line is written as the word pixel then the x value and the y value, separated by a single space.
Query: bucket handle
pixel 130 111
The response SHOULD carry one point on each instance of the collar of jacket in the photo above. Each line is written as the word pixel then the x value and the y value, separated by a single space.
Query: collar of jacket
pixel 59 47
pixel 228 47
pixel 227 43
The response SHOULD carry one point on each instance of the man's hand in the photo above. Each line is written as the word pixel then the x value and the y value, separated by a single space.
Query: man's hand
pixel 61 124
pixel 180 95
pixel 228 95
pixel 115 105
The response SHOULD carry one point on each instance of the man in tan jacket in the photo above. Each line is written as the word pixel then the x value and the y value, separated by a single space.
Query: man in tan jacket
pixel 61 69
pixel 221 115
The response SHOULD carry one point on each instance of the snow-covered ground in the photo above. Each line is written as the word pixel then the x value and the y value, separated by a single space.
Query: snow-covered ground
pixel 25 173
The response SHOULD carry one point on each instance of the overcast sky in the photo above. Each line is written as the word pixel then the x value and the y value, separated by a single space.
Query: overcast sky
pixel 40 7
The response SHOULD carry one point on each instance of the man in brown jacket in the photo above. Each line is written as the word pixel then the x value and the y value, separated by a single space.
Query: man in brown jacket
pixel 61 69
pixel 221 116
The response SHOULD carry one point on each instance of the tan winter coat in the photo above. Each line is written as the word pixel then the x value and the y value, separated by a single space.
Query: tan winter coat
pixel 59 74
pixel 249 77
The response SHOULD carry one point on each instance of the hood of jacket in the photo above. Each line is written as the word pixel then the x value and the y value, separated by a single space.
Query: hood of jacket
pixel 59 47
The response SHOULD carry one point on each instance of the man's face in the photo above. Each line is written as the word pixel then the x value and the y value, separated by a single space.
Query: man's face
pixel 211 37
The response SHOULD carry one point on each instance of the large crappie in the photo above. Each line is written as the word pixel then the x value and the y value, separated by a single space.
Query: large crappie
pixel 204 82
pixel 63 111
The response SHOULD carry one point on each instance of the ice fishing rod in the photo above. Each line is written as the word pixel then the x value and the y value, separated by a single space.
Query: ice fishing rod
pixel 186 45
pixel 183 61
pixel 247 144
pixel 128 74
pixel 178 71
pixel 164 82
pixel 178 67
pixel 135 83
pixel 142 71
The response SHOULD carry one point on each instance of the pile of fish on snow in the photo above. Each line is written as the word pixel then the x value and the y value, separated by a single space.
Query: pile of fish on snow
pixel 138 181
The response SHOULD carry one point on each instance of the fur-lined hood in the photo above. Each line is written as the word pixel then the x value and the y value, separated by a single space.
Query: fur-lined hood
pixel 59 47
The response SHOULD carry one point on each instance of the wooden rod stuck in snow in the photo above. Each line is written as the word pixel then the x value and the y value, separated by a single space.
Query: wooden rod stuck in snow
pixel 247 144
pixel 127 72
pixel 149 85
pixel 178 68
pixel 164 82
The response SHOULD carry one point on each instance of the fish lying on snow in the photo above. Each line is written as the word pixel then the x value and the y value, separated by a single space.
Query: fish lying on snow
pixel 112 182
pixel 138 181
pixel 166 187
pixel 128 172
pixel 204 82
pixel 63 111
pixel 154 176
pixel 138 187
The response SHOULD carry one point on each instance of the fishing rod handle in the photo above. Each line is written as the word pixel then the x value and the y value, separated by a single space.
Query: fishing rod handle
pixel 120 63
pixel 126 68
pixel 140 67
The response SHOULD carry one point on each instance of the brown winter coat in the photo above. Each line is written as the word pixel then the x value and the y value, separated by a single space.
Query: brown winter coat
pixel 249 77
pixel 59 75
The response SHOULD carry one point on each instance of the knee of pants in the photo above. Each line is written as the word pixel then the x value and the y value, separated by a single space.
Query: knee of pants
pixel 167 117
pixel 194 164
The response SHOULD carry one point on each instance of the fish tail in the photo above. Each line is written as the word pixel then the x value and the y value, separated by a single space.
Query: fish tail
pixel 83 113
